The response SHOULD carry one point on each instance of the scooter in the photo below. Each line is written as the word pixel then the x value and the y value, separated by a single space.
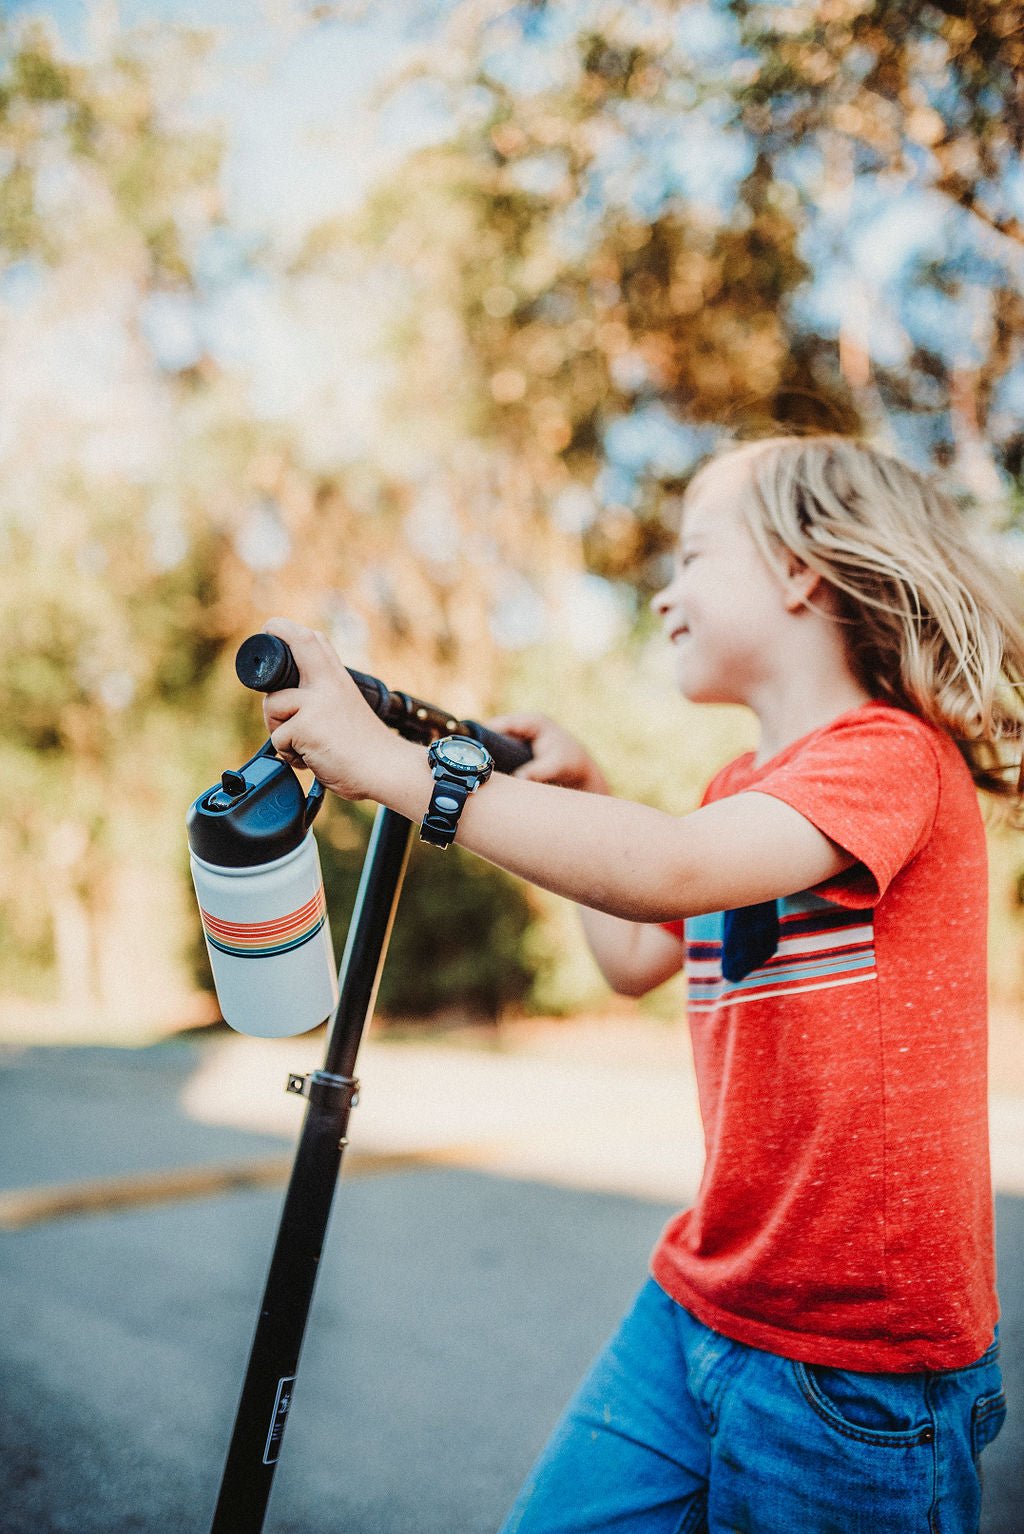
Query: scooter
pixel 257 878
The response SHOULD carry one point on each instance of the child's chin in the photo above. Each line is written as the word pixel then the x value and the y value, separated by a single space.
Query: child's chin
pixel 703 689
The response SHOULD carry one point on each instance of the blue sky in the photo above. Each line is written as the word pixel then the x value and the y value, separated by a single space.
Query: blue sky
pixel 303 144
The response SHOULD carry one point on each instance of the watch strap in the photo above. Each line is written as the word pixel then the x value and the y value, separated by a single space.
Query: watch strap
pixel 441 821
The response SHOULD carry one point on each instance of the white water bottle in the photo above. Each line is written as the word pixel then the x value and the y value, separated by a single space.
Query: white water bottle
pixel 256 872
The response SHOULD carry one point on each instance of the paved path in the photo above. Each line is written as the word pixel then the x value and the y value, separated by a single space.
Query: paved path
pixel 602 1105
pixel 455 1308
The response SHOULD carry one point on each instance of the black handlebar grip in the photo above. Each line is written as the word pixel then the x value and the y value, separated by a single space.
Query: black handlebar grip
pixel 264 663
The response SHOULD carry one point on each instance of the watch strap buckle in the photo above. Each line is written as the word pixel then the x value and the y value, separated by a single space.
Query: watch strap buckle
pixel 442 818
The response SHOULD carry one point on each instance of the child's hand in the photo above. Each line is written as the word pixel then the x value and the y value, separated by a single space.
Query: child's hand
pixel 325 723
pixel 558 757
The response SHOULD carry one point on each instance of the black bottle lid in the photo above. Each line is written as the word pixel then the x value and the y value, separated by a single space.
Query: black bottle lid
pixel 252 816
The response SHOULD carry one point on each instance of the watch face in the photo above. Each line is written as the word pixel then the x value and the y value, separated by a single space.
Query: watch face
pixel 461 752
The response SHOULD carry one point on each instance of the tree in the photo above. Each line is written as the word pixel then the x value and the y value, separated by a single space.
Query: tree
pixel 677 212
pixel 152 517
pixel 102 200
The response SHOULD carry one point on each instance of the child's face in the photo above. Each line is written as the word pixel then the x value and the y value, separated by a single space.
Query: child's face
pixel 724 608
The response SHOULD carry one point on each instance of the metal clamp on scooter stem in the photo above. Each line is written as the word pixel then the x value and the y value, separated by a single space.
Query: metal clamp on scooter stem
pixel 322 1083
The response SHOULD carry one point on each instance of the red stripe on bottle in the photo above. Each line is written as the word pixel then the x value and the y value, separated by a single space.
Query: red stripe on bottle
pixel 261 930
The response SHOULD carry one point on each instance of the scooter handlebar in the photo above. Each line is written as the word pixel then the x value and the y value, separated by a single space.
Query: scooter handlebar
pixel 264 663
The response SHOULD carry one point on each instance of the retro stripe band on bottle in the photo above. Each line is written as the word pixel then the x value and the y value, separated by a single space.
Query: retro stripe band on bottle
pixel 265 939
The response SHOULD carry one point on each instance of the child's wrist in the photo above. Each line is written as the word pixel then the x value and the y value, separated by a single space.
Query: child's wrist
pixel 401 777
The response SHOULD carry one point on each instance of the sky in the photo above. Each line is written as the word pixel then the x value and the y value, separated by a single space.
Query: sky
pixel 303 142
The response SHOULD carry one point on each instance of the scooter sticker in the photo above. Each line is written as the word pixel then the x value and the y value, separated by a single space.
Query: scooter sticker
pixel 278 1418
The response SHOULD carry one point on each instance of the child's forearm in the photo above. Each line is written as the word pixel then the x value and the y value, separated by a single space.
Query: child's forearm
pixel 610 938
pixel 634 957
pixel 606 853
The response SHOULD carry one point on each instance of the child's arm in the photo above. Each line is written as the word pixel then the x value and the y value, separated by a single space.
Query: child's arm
pixel 618 857
pixel 633 957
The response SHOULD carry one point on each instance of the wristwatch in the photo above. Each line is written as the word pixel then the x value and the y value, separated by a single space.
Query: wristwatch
pixel 460 764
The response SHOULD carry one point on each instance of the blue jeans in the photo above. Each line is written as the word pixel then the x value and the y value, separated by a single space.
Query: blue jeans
pixel 677 1429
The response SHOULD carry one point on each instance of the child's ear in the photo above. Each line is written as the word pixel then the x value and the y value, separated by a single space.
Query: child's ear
pixel 800 584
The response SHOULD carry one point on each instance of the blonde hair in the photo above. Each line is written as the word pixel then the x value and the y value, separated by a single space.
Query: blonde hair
pixel 932 625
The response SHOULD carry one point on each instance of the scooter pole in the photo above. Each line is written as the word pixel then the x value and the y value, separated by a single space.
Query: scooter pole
pixel 265 664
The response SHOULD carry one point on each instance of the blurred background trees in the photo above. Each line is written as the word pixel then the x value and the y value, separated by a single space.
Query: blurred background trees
pixel 449 419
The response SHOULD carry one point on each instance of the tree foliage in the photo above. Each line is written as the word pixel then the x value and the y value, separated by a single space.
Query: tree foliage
pixel 151 517
pixel 648 225
pixel 685 212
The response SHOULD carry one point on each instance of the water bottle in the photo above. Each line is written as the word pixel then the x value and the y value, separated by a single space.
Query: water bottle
pixel 257 877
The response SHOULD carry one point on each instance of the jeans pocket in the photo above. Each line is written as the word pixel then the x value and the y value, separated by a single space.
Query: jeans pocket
pixel 889 1410
pixel 987 1416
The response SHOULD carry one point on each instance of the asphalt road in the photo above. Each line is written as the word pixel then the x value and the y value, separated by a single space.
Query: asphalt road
pixel 454 1313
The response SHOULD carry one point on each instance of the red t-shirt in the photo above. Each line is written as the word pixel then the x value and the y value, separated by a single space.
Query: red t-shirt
pixel 845 1212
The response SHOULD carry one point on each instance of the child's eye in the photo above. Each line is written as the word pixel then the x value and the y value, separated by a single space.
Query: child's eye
pixel 686 559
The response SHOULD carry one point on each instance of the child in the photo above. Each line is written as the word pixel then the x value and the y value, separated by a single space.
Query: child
pixel 815 1349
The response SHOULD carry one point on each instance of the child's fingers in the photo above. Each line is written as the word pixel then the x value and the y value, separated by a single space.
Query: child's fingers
pixel 522 726
pixel 279 706
pixel 281 740
pixel 551 765
pixel 312 651
pixel 535 770
pixel 547 763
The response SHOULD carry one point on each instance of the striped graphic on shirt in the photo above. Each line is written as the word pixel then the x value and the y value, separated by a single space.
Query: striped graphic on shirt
pixel 266 939
pixel 820 946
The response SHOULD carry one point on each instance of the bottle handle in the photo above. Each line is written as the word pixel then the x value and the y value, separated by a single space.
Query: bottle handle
pixel 315 797
pixel 314 802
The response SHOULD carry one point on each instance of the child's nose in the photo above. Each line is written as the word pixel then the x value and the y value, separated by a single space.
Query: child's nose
pixel 661 600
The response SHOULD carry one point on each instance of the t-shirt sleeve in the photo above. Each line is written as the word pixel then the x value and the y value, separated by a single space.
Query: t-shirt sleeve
pixel 871 785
